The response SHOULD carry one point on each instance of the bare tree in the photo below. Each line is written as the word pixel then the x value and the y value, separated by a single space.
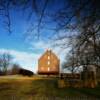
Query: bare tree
pixel 71 62
pixel 15 69
pixel 79 17
pixel 5 61
pixel 70 16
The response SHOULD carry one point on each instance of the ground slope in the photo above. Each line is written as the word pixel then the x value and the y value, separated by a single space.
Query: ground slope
pixel 39 88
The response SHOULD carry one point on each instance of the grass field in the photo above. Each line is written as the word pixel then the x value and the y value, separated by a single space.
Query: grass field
pixel 38 88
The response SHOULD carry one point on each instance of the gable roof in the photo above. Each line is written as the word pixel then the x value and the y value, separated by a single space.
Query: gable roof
pixel 49 51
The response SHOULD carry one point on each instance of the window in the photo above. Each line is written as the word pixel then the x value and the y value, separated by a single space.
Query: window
pixel 48 62
pixel 48 57
pixel 48 69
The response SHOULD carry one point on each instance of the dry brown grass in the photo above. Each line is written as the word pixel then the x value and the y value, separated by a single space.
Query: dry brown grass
pixel 38 88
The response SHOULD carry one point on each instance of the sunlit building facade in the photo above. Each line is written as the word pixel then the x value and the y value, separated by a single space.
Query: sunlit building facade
pixel 48 63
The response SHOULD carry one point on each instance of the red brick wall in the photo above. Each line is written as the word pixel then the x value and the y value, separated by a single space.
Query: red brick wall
pixel 48 63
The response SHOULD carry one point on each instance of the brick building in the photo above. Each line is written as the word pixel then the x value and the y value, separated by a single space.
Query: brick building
pixel 48 64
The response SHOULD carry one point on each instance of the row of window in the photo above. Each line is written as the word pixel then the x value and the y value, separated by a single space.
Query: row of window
pixel 42 68
pixel 48 61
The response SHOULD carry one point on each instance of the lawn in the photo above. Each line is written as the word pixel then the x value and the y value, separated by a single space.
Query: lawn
pixel 39 88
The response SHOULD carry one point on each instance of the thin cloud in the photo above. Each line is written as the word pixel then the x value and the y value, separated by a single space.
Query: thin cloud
pixel 25 59
pixel 30 60
pixel 43 46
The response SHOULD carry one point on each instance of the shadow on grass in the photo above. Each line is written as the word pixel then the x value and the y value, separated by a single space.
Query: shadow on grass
pixel 45 87
pixel 49 87
pixel 95 92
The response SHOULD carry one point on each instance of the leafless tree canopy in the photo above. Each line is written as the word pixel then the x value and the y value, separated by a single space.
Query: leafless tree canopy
pixel 69 16
pixel 75 20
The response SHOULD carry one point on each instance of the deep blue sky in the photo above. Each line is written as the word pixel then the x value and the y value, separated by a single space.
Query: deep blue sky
pixel 26 48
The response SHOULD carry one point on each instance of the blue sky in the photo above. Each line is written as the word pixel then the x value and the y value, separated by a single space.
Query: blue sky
pixel 26 49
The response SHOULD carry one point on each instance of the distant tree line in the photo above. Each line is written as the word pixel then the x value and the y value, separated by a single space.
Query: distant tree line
pixel 9 68
pixel 17 70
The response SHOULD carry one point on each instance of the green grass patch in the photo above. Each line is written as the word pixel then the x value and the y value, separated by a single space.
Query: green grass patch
pixel 37 88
